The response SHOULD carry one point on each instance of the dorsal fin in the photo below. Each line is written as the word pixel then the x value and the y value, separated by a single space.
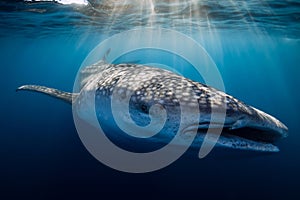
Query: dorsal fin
pixel 104 58
pixel 65 96
pixel 88 71
pixel 94 68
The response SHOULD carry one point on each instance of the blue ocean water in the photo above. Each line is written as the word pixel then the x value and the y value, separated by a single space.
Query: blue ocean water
pixel 254 44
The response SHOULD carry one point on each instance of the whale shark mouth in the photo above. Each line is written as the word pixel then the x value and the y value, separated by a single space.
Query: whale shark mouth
pixel 250 139
pixel 247 139
pixel 254 134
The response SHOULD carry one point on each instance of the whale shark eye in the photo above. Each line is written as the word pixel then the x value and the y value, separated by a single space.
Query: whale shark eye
pixel 144 108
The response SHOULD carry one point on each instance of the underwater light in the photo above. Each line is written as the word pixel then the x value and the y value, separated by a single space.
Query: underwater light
pixel 82 2
pixel 65 2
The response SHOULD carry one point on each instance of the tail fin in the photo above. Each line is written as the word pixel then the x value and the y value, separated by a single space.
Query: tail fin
pixel 66 96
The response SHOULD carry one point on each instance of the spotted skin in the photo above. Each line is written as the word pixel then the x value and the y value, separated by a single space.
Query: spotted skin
pixel 151 86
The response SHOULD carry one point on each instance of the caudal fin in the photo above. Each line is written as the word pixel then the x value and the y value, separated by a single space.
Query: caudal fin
pixel 66 96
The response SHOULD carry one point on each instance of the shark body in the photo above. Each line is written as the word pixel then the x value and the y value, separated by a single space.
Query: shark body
pixel 245 127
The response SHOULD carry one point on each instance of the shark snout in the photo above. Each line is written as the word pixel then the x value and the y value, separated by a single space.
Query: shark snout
pixel 264 121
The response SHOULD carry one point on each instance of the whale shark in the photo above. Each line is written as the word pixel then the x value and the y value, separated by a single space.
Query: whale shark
pixel 244 127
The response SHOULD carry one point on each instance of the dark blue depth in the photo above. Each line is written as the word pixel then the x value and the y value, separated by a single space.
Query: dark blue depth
pixel 43 157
